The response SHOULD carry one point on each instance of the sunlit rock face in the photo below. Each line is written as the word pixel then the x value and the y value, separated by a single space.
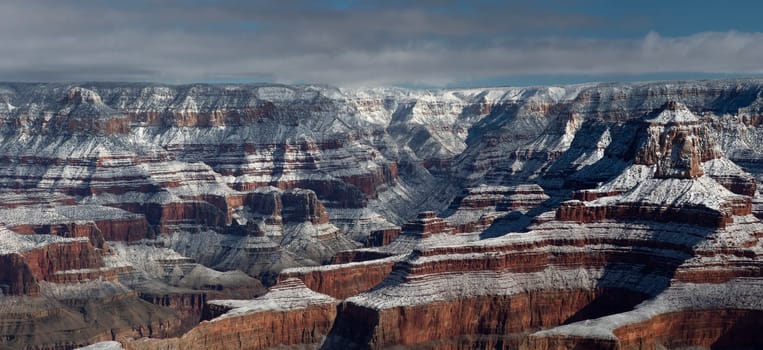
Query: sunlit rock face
pixel 593 216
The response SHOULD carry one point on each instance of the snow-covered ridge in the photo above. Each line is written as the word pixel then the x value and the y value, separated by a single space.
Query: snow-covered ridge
pixel 61 214
pixel 290 294
pixel 12 242
pixel 674 113
pixel 703 192
pixel 25 98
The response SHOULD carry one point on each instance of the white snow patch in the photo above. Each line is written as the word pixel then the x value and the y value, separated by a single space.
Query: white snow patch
pixel 290 294
pixel 106 345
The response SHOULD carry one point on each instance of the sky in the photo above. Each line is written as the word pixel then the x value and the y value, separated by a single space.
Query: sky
pixel 424 43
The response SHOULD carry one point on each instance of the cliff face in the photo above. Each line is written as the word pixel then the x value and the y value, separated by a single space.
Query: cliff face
pixel 290 314
pixel 513 214
pixel 343 280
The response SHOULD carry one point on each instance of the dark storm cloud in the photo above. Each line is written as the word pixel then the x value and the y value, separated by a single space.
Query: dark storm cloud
pixel 341 42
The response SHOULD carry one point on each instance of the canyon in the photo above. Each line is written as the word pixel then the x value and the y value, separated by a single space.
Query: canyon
pixel 589 216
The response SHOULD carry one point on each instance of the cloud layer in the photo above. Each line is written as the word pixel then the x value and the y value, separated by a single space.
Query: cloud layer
pixel 346 43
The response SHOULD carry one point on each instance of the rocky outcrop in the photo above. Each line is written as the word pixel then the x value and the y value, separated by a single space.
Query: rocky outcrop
pixel 662 323
pixel 500 198
pixel 302 206
pixel 476 209
pixel 83 111
pixel 701 215
pixel 291 206
pixel 17 278
pixel 290 314
pixel 97 310
pixel 97 223
pixel 186 212
pixel 188 304
pixel 426 224
pixel 345 279
pixel 88 230
pixel 378 238
pixel 709 328
pixel 460 324
pixel 677 142
pixel 125 230
pixel 668 165
pixel 36 262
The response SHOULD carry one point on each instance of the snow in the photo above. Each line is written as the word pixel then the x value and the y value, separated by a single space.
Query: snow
pixel 323 268
pixel 629 178
pixel 680 115
pixel 723 167
pixel 680 296
pixel 290 294
pixel 145 257
pixel 399 290
pixel 35 215
pixel 94 289
pixel 275 93
pixel 106 345
pixel 12 242
pixel 702 191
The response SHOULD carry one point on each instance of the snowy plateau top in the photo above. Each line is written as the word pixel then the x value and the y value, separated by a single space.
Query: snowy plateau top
pixel 290 294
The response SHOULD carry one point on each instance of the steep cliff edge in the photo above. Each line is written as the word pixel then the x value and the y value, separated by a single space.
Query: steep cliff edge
pixel 290 314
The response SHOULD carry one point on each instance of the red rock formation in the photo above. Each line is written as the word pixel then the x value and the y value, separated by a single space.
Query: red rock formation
pixel 358 255
pixel 16 276
pixel 579 212
pixel 677 142
pixel 226 203
pixel 459 323
pixel 259 331
pixel 426 224
pixel 503 198
pixel 268 204
pixel 738 184
pixel 301 205
pixel 125 230
pixel 703 328
pixel 277 207
pixel 188 304
pixel 722 328
pixel 194 212
pixel 370 183
pixel 472 290
pixel 382 237
pixel 46 261
pixel 291 315
pixel 88 230
pixel 23 270
pixel 342 280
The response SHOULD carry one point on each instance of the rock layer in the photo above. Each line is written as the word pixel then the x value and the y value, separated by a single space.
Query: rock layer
pixel 290 314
